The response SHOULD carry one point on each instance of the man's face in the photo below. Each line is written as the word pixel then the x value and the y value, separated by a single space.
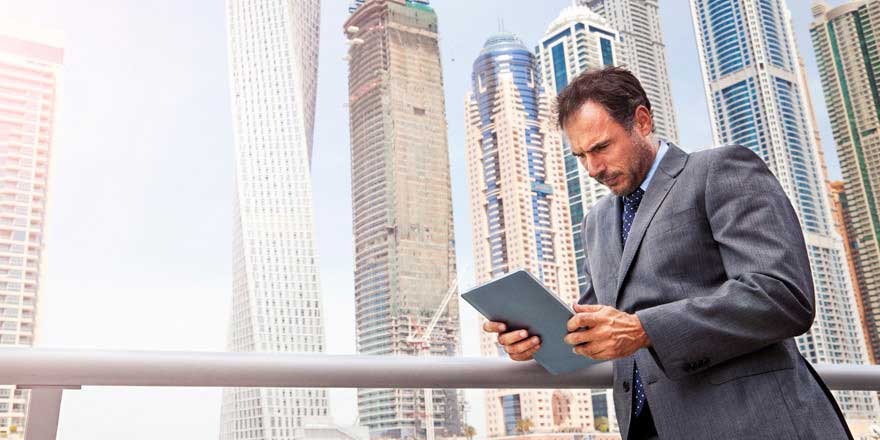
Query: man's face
pixel 614 156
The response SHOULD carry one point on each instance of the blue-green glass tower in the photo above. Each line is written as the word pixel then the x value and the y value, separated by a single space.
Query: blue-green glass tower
pixel 749 63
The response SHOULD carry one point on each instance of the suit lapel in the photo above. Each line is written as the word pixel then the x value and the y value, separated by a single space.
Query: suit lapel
pixel 661 183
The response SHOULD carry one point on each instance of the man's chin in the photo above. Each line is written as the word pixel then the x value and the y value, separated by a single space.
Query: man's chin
pixel 620 190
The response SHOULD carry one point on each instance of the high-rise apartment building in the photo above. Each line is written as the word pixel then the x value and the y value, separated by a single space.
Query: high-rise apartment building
pixel 843 223
pixel 641 50
pixel 30 82
pixel 520 216
pixel 749 62
pixel 577 40
pixel 276 302
pixel 402 207
pixel 846 51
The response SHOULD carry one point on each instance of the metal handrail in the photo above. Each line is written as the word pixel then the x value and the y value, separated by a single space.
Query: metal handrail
pixel 48 372
pixel 44 367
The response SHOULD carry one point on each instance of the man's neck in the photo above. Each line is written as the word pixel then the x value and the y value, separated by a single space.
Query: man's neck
pixel 653 149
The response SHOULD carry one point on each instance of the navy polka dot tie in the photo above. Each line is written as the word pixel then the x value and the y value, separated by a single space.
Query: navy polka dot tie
pixel 630 206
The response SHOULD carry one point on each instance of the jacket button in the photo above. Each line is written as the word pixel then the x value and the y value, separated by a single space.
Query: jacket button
pixel 625 386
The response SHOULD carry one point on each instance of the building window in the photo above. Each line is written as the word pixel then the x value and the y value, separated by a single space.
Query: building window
pixel 607 54
pixel 558 53
pixel 512 412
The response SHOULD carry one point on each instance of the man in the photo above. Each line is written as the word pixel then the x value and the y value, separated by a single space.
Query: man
pixel 697 281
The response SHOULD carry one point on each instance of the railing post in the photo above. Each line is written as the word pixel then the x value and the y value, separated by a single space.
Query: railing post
pixel 44 407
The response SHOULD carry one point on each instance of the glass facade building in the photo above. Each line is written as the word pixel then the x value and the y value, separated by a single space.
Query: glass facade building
pixel 519 214
pixel 844 40
pixel 756 99
pixel 641 50
pixel 577 40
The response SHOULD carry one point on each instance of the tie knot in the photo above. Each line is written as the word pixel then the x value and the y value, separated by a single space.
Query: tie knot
pixel 634 198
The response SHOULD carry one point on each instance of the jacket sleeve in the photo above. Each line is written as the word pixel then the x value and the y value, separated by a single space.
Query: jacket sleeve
pixel 588 295
pixel 768 295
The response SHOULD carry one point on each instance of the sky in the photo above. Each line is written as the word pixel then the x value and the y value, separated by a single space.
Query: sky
pixel 140 223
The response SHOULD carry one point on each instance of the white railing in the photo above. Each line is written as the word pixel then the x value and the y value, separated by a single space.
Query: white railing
pixel 48 372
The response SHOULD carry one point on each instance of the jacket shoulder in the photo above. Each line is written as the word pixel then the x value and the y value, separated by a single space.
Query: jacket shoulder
pixel 723 151
pixel 731 152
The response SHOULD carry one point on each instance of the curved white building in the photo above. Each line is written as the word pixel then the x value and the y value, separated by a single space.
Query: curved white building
pixel 276 305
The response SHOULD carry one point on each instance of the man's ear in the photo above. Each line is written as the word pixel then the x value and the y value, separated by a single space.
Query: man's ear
pixel 643 121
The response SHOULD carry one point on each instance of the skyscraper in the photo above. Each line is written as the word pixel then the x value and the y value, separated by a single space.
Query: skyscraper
pixel 749 62
pixel 30 83
pixel 641 50
pixel 357 3
pixel 843 224
pixel 519 214
pixel 811 112
pixel 402 206
pixel 576 41
pixel 846 50
pixel 579 39
pixel 276 302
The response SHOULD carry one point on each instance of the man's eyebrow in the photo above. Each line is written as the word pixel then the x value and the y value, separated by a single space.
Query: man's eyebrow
pixel 596 145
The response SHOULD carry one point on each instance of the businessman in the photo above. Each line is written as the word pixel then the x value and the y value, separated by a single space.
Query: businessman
pixel 697 281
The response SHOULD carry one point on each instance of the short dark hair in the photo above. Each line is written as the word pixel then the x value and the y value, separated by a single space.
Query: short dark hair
pixel 616 88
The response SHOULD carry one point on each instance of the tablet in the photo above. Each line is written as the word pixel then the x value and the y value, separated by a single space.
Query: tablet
pixel 522 302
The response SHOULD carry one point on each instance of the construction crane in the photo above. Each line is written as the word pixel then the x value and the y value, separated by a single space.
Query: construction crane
pixel 422 343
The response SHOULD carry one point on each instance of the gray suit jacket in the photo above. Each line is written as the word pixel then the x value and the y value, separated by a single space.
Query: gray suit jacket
pixel 716 268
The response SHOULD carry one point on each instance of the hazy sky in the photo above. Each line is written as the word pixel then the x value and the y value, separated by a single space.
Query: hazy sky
pixel 139 238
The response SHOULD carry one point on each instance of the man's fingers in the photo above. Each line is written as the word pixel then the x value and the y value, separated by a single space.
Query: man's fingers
pixel 523 346
pixel 580 308
pixel 577 338
pixel 513 337
pixel 593 350
pixel 584 319
pixel 527 355
pixel 494 327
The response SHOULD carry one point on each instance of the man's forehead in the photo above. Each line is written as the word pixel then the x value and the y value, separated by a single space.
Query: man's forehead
pixel 588 126
pixel 592 110
pixel 592 116
pixel 589 118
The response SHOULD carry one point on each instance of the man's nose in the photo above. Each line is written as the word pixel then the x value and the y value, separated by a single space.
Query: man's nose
pixel 594 168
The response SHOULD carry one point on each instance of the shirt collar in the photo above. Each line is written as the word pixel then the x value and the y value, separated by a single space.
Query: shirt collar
pixel 657 158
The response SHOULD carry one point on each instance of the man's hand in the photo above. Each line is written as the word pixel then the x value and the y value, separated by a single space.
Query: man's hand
pixel 605 333
pixel 517 343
